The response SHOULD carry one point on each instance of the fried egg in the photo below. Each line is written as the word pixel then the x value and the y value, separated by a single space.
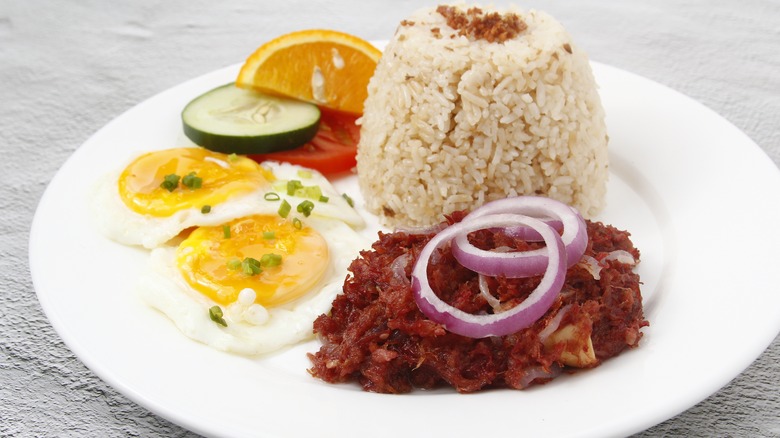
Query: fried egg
pixel 162 193
pixel 254 284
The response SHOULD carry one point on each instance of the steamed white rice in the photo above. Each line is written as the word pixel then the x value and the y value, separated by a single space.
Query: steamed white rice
pixel 452 121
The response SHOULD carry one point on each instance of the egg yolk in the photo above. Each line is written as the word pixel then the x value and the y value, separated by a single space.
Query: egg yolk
pixel 156 183
pixel 218 261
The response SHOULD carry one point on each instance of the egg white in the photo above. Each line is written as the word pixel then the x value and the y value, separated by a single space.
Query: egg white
pixel 162 287
pixel 121 224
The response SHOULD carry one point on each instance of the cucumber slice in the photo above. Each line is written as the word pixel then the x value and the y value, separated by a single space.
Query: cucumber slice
pixel 229 119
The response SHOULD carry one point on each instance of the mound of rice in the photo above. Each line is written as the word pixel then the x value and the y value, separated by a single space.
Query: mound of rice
pixel 471 105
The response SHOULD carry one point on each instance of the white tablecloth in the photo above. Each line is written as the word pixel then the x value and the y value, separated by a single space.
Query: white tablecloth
pixel 68 67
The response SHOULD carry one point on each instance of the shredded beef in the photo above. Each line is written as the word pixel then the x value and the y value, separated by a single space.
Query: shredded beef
pixel 376 335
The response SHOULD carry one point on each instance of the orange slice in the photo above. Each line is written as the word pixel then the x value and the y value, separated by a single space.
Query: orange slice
pixel 325 67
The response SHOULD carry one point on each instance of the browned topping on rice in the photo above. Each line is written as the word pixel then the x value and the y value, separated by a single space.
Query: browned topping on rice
pixel 474 23
pixel 407 23
pixel 567 47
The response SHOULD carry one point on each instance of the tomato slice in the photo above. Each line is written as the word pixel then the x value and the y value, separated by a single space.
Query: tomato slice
pixel 331 151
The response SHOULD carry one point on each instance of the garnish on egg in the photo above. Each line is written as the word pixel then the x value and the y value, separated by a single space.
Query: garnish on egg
pixel 296 188
pixel 348 199
pixel 284 209
pixel 270 260
pixel 216 315
pixel 192 181
pixel 305 208
pixel 170 182
pixel 251 266
pixel 292 186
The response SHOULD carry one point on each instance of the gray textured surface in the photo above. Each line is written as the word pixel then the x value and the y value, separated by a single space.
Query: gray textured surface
pixel 68 67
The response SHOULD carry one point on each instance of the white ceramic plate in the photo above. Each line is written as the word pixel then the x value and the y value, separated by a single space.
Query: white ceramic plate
pixel 699 197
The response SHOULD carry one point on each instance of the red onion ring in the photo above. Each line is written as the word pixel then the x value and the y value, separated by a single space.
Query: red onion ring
pixel 524 263
pixel 498 324
pixel 528 234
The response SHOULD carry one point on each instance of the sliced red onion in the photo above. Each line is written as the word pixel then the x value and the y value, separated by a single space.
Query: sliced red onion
pixel 591 265
pixel 522 263
pixel 554 323
pixel 621 256
pixel 398 267
pixel 494 302
pixel 499 324
pixel 538 372
pixel 528 234
pixel 595 266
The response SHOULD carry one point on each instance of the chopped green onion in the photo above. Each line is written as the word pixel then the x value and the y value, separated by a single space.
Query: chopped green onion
pixel 292 186
pixel 251 266
pixel 192 181
pixel 234 264
pixel 205 209
pixel 349 200
pixel 232 158
pixel 311 192
pixel 170 182
pixel 323 198
pixel 270 260
pixel 226 231
pixel 305 207
pixel 271 196
pixel 269 235
pixel 284 209
pixel 303 173
pixel 216 315
pixel 297 223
